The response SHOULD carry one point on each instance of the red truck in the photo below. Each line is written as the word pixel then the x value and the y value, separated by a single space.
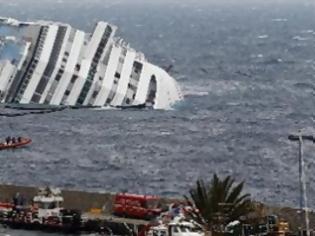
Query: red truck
pixel 136 206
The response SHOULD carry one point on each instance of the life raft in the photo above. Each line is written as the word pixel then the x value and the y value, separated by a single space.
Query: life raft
pixel 22 143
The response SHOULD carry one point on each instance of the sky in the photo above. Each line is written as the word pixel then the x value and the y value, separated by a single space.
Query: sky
pixel 193 2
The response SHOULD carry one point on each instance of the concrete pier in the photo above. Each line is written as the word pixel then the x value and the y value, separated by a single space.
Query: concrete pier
pixel 103 203
pixel 96 210
pixel 73 199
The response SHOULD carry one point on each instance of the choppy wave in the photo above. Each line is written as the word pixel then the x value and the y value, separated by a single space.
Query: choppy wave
pixel 42 112
pixel 300 38
pixel 263 36
pixel 309 31
pixel 197 91
pixel 280 20
pixel 241 103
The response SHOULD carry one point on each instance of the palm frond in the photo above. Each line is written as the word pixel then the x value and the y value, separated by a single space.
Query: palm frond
pixel 218 197
pixel 235 192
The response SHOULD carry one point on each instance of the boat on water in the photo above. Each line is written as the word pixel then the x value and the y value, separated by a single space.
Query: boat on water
pixel 17 144
pixel 45 213
pixel 53 64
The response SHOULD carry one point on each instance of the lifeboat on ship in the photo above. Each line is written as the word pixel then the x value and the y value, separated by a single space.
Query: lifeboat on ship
pixel 20 142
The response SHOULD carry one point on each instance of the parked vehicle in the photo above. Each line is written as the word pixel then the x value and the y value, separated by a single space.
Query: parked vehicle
pixel 177 227
pixel 136 206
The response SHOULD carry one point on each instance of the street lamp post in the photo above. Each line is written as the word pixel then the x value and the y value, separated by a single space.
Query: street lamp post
pixel 303 198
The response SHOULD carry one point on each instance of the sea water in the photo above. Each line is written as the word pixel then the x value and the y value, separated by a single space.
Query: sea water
pixel 247 72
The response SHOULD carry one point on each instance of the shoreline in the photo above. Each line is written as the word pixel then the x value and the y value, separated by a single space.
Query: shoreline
pixel 86 201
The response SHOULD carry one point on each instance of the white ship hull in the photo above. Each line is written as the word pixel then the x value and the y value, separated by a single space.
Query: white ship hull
pixel 54 64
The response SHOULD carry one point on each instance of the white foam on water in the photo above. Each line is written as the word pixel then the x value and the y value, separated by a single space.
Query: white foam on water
pixel 263 36
pixel 104 108
pixel 219 88
pixel 308 31
pixel 300 38
pixel 280 20
pixel 194 91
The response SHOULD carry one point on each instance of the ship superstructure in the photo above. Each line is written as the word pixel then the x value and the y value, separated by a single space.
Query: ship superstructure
pixel 54 64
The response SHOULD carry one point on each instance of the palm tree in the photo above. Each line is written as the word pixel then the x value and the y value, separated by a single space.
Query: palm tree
pixel 218 202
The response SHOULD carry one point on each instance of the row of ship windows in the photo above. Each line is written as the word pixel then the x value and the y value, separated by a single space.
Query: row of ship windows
pixel 93 67
pixel 137 70
pixel 117 76
pixel 69 88
pixel 132 85
pixel 65 59
pixel 28 76
pixel 112 93
pixel 34 62
pixel 57 78
pixel 95 93
pixel 41 41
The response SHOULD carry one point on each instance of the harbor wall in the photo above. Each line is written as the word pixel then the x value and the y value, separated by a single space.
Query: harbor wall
pixel 84 201
pixel 73 199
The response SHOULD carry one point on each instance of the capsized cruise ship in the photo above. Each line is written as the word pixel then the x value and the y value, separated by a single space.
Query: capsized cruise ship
pixel 54 64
